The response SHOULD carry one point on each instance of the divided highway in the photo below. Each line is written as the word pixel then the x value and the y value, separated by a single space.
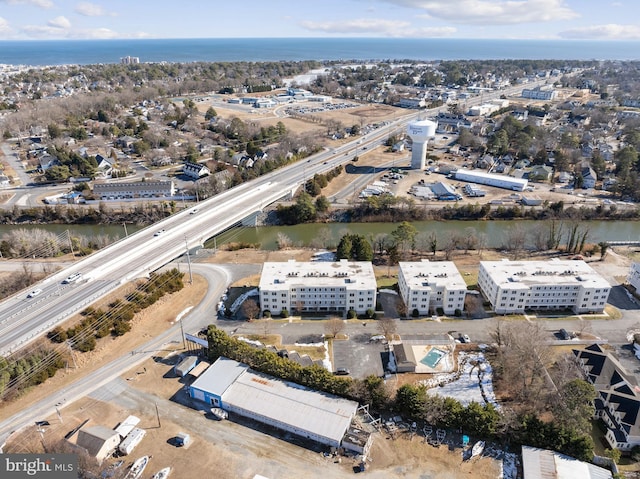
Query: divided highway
pixel 23 319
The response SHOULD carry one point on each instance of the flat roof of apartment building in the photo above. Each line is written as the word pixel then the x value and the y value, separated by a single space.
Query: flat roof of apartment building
pixel 343 273
pixel 422 274
pixel 553 272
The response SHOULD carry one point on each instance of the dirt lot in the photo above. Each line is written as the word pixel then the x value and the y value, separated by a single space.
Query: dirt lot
pixel 236 448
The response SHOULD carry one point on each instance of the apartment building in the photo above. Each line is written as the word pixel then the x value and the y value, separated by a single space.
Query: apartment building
pixel 141 189
pixel 318 287
pixel 427 286
pixel 516 286
pixel 634 276
pixel 618 401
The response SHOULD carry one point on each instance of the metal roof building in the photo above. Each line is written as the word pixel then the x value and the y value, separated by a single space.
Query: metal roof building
pixel 310 414
pixel 544 464
pixel 490 179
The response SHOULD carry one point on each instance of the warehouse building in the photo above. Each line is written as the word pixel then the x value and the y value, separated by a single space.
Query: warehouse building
pixel 310 414
pixel 490 179
pixel 323 287
pixel 516 286
pixel 427 286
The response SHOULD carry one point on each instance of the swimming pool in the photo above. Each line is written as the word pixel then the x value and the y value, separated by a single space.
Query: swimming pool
pixel 433 357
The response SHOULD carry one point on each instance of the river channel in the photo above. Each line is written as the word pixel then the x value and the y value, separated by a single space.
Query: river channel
pixel 305 234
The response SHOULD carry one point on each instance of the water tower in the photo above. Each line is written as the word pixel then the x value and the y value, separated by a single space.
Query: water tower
pixel 420 131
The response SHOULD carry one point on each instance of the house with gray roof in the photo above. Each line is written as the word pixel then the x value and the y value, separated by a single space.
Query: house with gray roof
pixel 618 396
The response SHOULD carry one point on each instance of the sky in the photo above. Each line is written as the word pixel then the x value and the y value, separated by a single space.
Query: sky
pixel 497 19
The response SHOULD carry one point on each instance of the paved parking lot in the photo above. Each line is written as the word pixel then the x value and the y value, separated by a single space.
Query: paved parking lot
pixel 358 355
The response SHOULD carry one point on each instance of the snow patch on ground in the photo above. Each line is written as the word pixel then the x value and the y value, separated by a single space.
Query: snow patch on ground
pixel 472 382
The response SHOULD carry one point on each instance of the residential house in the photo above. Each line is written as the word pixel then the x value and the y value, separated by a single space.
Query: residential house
pixel 195 170
pixel 618 400
pixel 589 177
pixel 565 177
pixel 541 173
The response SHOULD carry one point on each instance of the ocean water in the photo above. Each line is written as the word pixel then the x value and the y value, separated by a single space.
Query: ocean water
pixel 84 52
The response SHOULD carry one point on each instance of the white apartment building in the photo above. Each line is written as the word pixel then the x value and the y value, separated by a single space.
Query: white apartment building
pixel 634 276
pixel 516 286
pixel 140 189
pixel 426 286
pixel 323 287
pixel 539 94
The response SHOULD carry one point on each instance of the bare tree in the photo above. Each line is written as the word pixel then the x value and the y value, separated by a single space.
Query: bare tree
pixel 521 361
pixel 515 241
pixel 265 326
pixel 483 241
pixel 334 326
pixel 283 241
pixel 388 327
pixel 250 309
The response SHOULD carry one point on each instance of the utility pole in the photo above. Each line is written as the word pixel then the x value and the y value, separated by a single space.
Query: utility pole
pixel 188 260
pixel 158 416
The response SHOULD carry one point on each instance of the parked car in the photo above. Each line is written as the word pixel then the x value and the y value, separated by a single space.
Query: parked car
pixel 564 334
pixel 34 293
pixel 464 338
pixel 342 372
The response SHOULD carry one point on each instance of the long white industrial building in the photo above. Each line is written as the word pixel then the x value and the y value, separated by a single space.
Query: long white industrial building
pixel 491 179
pixel 310 414
pixel 516 286
pixel 318 286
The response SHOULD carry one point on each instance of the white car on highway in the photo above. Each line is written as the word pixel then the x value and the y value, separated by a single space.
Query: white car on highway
pixel 34 293
pixel 72 278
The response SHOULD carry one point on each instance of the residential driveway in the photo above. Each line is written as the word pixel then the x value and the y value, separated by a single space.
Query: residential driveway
pixel 358 355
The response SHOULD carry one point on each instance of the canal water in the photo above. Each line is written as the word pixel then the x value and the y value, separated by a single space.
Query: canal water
pixel 495 231
pixel 308 234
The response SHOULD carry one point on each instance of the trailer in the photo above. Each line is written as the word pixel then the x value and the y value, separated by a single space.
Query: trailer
pixel 131 441
pixel 186 365
pixel 126 426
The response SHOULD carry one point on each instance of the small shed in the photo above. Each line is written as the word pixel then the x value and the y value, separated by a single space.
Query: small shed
pixel 99 441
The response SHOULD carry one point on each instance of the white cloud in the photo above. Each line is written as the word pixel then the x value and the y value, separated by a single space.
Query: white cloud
pixel 4 27
pixel 610 31
pixel 492 12
pixel 60 22
pixel 42 31
pixel 37 3
pixel 393 28
pixel 95 33
pixel 91 10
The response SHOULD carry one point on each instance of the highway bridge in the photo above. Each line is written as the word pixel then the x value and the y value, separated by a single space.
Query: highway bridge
pixel 24 319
